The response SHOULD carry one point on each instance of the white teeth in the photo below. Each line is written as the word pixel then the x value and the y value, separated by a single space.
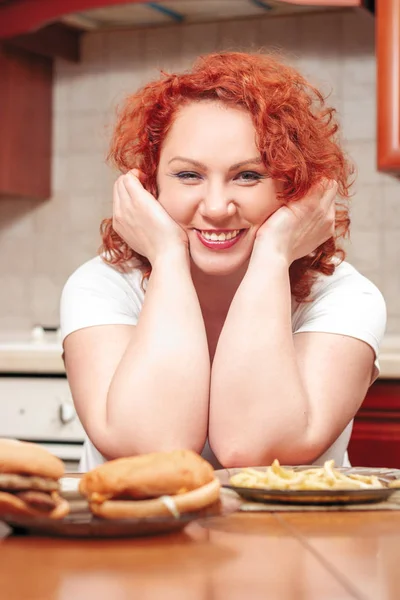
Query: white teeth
pixel 220 237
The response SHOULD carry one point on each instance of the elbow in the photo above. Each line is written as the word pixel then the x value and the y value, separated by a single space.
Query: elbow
pixel 288 452
pixel 112 443
pixel 233 455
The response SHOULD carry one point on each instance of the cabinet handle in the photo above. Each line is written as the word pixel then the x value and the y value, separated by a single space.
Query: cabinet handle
pixel 67 412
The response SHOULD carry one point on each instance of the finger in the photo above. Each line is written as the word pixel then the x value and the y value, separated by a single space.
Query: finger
pixel 132 185
pixel 332 186
pixel 319 192
pixel 123 199
pixel 138 174
pixel 116 195
pixel 329 194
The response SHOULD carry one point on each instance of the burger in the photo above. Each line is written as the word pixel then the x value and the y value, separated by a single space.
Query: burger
pixel 150 485
pixel 29 481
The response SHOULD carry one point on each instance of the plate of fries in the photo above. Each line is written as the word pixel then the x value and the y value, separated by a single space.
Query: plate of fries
pixel 312 485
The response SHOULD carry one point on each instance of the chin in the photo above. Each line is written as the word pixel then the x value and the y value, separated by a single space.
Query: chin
pixel 220 267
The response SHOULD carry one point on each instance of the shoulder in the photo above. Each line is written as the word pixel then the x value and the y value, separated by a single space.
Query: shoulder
pixel 345 302
pixel 345 279
pixel 97 272
pixel 97 294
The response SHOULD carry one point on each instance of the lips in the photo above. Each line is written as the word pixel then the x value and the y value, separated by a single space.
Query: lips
pixel 220 239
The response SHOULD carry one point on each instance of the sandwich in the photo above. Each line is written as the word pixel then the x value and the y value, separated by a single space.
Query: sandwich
pixel 150 485
pixel 29 481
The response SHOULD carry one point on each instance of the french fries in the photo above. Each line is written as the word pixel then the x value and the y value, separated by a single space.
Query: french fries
pixel 327 477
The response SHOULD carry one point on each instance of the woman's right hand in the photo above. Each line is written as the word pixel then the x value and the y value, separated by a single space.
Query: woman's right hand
pixel 141 221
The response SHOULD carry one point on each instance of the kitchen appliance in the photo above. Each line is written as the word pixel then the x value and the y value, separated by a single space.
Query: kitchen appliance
pixel 35 400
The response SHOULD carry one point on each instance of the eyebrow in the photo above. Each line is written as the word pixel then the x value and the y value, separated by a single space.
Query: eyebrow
pixel 196 163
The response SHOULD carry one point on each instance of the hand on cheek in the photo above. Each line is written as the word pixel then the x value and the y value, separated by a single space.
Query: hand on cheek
pixel 299 227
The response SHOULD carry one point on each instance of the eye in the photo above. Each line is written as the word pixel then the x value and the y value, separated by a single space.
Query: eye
pixel 249 176
pixel 188 176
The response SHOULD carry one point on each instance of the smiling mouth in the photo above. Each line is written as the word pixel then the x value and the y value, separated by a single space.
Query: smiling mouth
pixel 219 239
pixel 219 236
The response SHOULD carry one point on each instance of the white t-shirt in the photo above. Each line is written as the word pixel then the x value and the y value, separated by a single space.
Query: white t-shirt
pixel 344 303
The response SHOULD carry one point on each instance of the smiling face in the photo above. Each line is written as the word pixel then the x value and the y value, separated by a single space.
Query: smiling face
pixel 213 184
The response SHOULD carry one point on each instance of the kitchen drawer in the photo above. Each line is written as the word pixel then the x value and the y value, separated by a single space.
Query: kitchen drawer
pixel 38 408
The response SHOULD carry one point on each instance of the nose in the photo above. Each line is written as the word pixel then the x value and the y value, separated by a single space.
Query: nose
pixel 216 205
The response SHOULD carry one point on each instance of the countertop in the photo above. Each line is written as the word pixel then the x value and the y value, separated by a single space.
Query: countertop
pixel 285 556
pixel 25 356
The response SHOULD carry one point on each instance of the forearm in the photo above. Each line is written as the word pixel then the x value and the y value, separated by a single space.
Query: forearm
pixel 258 405
pixel 158 398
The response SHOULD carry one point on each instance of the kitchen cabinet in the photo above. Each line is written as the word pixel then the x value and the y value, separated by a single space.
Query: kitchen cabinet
pixel 25 123
pixel 375 441
pixel 388 89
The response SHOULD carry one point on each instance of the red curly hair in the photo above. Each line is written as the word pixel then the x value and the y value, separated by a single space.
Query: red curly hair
pixel 295 132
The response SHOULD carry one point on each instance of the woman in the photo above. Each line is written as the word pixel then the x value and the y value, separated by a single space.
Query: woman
pixel 220 311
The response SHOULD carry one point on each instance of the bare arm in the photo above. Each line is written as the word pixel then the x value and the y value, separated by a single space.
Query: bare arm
pixel 273 396
pixel 145 387
pixel 278 396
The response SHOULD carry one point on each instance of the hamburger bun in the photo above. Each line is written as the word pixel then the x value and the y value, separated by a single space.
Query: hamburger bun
pixel 11 504
pixel 29 483
pixel 148 475
pixel 150 485
pixel 29 459
pixel 159 507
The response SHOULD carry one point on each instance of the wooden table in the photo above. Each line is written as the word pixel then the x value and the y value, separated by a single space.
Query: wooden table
pixel 285 556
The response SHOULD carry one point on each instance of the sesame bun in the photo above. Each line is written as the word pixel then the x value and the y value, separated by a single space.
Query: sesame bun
pixel 30 459
pixel 147 476
pixel 12 505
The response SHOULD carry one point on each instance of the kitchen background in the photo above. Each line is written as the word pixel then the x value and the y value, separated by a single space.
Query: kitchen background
pixel 43 242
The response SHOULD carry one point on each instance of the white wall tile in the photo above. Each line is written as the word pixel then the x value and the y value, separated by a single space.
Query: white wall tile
pixel 239 35
pixel 390 202
pixel 87 91
pixel 16 219
pixel 363 155
pixel 16 258
pixel 393 324
pixel 14 302
pixel 390 263
pixel 85 172
pixel 125 69
pixel 359 119
pixel 364 250
pixel 366 207
pixel 63 71
pixel 199 39
pixel 85 212
pixel 358 65
pixel 87 133
pixel 45 292
pixel 320 58
pixel 282 36
pixel 163 50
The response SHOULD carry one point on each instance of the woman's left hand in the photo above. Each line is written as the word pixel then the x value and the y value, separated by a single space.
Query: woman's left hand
pixel 299 227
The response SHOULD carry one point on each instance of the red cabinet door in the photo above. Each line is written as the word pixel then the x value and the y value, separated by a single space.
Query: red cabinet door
pixel 375 441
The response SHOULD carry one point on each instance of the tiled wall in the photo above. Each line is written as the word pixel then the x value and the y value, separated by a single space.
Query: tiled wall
pixel 41 244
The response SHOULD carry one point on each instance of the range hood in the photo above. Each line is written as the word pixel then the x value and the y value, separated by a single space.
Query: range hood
pixel 18 17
